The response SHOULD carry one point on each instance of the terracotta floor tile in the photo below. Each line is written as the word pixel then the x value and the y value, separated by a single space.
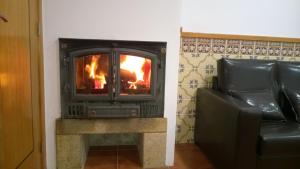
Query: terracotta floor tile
pixel 127 147
pixel 187 156
pixel 128 159
pixel 186 146
pixel 190 157
pixel 103 148
pixel 101 160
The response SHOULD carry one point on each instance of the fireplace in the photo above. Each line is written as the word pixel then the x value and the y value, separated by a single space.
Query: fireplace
pixel 111 79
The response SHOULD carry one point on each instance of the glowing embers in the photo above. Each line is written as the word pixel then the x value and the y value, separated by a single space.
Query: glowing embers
pixel 92 74
pixel 135 75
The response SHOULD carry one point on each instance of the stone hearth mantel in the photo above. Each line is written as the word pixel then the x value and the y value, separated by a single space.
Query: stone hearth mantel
pixel 72 145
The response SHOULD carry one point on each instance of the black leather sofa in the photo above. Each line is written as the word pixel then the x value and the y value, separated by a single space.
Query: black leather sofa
pixel 251 117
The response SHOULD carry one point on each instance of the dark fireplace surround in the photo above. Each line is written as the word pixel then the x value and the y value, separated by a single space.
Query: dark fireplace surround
pixel 111 78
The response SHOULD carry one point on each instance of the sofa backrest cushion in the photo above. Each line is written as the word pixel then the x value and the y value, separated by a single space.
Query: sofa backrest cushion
pixel 289 74
pixel 246 75
pixel 289 81
pixel 253 81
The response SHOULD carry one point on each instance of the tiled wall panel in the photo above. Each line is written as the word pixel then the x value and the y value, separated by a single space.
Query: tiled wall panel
pixel 197 66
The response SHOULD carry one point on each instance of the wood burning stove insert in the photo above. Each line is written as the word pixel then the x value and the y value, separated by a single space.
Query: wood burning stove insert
pixel 111 79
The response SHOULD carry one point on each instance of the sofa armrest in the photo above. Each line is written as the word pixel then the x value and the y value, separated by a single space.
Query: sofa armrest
pixel 226 129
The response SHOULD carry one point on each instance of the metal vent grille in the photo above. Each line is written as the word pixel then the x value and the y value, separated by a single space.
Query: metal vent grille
pixel 150 110
pixel 111 111
pixel 75 110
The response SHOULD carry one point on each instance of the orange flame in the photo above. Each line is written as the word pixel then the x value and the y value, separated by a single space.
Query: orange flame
pixel 99 79
pixel 141 67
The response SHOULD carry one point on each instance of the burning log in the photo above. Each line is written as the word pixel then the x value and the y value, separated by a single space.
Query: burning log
pixel 127 75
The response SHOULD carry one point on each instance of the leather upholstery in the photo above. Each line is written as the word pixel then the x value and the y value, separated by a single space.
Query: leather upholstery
pixel 230 131
pixel 245 75
pixel 288 74
pixel 265 101
pixel 294 99
pixel 289 81
pixel 279 139
pixel 233 146
pixel 253 81
pixel 283 162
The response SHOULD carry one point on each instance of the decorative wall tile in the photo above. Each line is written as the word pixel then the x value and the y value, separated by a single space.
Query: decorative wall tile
pixel 287 49
pixel 185 128
pixel 261 48
pixel 193 77
pixel 192 59
pixel 247 47
pixel 204 45
pixel 279 58
pixel 297 50
pixel 218 46
pixel 189 45
pixel 185 92
pixel 291 59
pixel 185 106
pixel 198 64
pixel 233 47
pixel 274 49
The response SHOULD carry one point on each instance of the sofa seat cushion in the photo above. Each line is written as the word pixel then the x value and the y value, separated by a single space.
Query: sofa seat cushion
pixel 279 139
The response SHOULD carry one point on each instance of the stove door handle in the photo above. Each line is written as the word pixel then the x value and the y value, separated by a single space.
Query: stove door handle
pixel 3 18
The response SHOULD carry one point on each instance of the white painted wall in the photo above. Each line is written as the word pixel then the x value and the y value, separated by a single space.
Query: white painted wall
pixel 152 20
pixel 246 17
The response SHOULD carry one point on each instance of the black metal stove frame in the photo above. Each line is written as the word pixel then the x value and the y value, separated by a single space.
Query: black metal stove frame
pixel 113 105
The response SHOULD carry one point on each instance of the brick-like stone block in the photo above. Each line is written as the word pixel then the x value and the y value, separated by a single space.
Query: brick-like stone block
pixel 71 151
pixel 152 150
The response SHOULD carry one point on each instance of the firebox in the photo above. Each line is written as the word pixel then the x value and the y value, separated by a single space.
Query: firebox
pixel 111 79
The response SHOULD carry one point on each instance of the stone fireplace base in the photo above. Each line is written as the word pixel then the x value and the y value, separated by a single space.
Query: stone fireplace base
pixel 72 144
